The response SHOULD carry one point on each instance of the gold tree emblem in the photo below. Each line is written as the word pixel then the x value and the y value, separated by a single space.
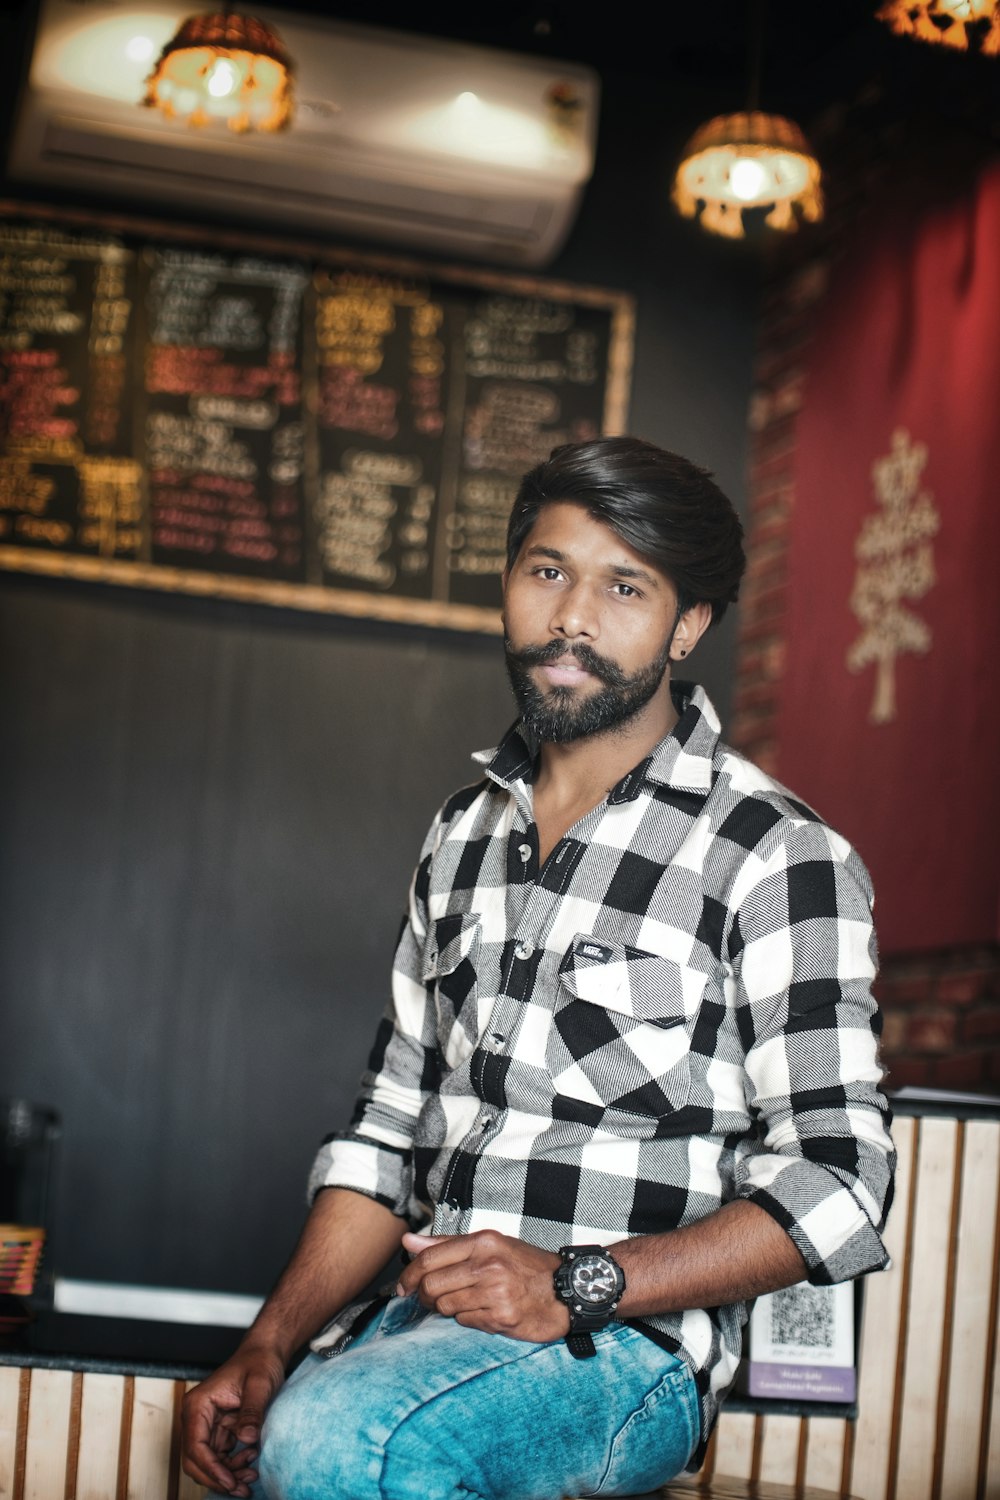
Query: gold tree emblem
pixel 895 563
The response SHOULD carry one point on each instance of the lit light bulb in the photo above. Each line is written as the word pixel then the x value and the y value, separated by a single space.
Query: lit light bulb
pixel 139 48
pixel 746 178
pixel 222 80
pixel 964 10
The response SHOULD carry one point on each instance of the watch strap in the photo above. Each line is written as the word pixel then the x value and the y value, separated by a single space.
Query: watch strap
pixel 584 1321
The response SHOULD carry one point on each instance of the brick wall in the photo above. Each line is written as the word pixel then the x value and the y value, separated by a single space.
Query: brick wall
pixel 942 1008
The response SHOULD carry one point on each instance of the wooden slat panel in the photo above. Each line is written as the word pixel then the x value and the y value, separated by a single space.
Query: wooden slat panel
pixel 929 1264
pixel 189 1489
pixel 991 1483
pixel 825 1437
pixel 100 1428
pixel 152 1423
pixel 10 1391
pixel 9 1397
pixel 880 1333
pixel 734 1435
pixel 974 1274
pixel 779 1458
pixel 48 1434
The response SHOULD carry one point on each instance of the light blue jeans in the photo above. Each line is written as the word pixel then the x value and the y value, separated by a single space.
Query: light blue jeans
pixel 420 1408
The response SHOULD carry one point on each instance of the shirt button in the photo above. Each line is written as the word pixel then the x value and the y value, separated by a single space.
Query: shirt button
pixel 495 1042
pixel 484 1122
pixel 523 950
pixel 524 850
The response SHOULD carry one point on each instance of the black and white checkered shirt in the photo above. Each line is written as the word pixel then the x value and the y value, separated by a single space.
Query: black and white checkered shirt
pixel 673 1011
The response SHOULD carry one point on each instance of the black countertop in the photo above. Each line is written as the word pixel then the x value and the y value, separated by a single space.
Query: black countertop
pixel 125 1346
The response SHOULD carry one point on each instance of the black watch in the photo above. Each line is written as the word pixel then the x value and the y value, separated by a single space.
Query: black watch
pixel 590 1282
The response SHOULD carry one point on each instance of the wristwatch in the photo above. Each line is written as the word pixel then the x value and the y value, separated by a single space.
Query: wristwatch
pixel 590 1282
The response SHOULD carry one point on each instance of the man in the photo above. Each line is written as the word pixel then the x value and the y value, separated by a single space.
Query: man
pixel 628 1079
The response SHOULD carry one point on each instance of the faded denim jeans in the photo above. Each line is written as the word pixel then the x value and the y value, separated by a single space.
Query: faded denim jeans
pixel 420 1408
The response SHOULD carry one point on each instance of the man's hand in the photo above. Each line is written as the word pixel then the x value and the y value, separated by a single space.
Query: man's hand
pixel 225 1409
pixel 487 1280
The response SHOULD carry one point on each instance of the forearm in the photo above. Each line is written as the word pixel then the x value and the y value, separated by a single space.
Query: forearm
pixel 346 1241
pixel 736 1253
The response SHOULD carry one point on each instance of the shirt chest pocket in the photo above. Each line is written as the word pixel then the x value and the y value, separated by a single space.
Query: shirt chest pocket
pixel 621 1031
pixel 451 974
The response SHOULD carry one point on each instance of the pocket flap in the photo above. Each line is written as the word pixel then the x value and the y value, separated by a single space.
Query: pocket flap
pixel 449 941
pixel 631 981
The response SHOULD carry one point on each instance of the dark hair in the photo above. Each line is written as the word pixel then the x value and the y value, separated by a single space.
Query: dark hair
pixel 661 505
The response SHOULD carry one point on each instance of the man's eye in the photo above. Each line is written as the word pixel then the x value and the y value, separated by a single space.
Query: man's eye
pixel 626 591
pixel 549 573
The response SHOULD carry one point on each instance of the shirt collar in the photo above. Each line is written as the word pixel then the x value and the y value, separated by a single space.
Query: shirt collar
pixel 683 760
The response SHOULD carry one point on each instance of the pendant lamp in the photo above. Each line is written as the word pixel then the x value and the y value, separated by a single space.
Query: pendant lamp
pixel 952 23
pixel 224 68
pixel 748 160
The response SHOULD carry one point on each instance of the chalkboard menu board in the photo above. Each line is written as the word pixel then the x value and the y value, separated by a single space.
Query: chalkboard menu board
pixel 280 422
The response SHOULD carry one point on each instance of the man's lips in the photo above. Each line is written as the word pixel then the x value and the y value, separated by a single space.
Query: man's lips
pixel 565 671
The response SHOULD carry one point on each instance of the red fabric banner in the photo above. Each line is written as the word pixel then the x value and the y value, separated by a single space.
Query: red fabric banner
pixel 889 722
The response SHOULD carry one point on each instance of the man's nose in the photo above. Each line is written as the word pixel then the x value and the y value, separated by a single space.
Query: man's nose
pixel 575 614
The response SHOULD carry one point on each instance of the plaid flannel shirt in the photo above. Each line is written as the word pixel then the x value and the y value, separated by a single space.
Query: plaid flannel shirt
pixel 673 1011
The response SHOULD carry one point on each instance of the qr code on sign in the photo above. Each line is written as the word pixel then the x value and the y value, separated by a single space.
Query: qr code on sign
pixel 803 1317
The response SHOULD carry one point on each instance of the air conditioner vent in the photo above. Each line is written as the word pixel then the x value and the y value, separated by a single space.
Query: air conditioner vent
pixel 384 156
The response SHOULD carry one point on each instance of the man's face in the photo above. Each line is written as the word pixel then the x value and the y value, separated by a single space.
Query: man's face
pixel 588 626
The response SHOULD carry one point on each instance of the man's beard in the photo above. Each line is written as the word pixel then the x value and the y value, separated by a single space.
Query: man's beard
pixel 557 715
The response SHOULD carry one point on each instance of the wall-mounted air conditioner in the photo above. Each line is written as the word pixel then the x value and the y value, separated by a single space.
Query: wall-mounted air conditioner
pixel 428 143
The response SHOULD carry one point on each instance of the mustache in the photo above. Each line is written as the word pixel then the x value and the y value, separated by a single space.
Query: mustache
pixel 583 655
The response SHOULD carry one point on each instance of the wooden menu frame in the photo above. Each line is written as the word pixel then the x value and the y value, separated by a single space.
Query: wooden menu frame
pixel 358 602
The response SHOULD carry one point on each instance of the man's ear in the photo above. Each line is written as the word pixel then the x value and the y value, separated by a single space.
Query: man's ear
pixel 690 628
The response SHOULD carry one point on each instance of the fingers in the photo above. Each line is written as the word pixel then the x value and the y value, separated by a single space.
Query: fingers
pixel 201 1436
pixel 230 1473
pixel 201 1465
pixel 438 1289
pixel 432 1253
pixel 245 1472
pixel 222 1419
pixel 454 1273
pixel 257 1393
pixel 417 1242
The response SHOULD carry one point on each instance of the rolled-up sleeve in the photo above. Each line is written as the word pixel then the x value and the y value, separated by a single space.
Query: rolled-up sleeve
pixel 804 958
pixel 374 1156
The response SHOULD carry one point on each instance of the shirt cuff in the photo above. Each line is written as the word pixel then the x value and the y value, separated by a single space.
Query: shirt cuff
pixel 377 1171
pixel 823 1218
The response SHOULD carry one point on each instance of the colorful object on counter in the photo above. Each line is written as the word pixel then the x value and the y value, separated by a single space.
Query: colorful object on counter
pixel 28 1135
pixel 748 160
pixel 224 68
pixel 21 1247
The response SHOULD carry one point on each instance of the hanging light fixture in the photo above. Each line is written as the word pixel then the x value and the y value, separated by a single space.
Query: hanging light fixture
pixel 224 68
pixel 748 160
pixel 948 22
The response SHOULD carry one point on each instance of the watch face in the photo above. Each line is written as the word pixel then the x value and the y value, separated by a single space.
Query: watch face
pixel 593 1279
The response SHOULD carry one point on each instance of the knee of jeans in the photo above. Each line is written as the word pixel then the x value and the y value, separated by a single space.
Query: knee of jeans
pixel 297 1458
pixel 422 1458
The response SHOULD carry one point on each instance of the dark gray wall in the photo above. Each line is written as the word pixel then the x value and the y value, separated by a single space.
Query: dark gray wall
pixel 210 812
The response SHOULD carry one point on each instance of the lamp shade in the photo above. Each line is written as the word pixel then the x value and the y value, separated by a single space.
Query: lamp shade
pixel 949 22
pixel 749 160
pixel 224 68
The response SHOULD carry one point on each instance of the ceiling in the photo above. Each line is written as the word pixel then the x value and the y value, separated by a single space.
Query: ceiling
pixel 697 58
pixel 807 56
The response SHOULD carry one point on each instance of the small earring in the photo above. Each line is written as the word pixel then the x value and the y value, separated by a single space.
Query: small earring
pixel 683 651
